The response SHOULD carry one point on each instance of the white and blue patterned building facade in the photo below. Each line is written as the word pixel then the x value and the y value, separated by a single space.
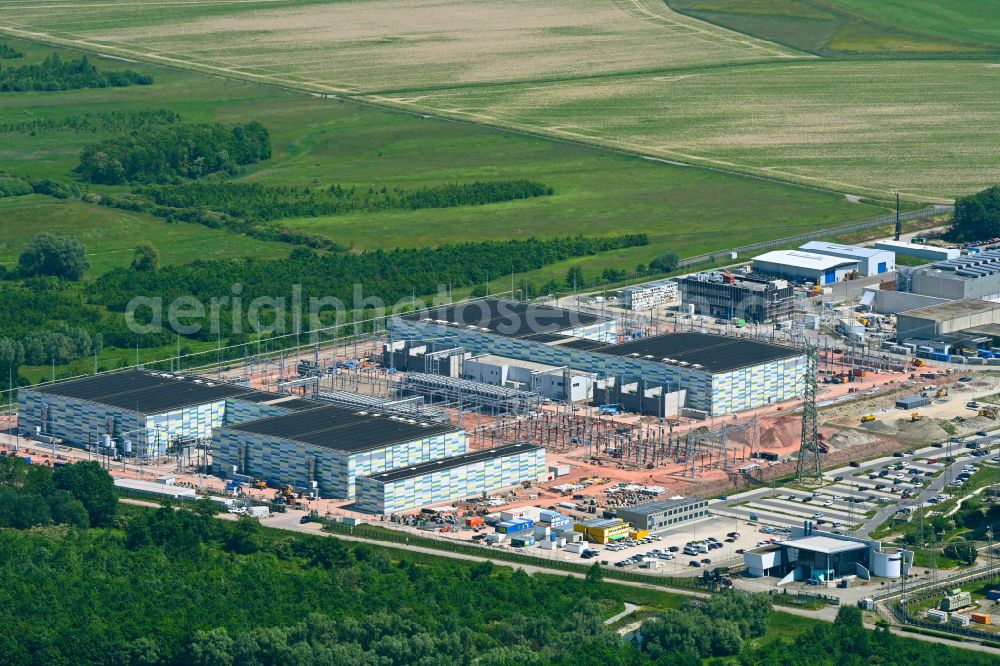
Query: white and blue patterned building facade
pixel 282 461
pixel 452 483
pixel 717 394
pixel 81 422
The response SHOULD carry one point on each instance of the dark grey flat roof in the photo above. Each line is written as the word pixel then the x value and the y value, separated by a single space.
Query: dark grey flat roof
pixel 649 508
pixel 584 344
pixel 510 318
pixel 714 353
pixel 348 429
pixel 149 392
pixel 453 462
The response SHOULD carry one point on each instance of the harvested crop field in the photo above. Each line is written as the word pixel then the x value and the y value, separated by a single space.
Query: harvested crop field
pixel 629 74
pixel 386 44
pixel 925 129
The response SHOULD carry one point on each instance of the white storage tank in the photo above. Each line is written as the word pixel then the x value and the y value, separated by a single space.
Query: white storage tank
pixel 887 563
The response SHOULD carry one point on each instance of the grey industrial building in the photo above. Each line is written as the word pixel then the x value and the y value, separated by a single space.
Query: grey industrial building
pixel 659 516
pixel 719 374
pixel 751 298
pixel 974 276
pixel 550 381
pixel 638 395
pixel 326 448
pixel 139 412
pixel 964 316
pixel 823 556
pixel 649 295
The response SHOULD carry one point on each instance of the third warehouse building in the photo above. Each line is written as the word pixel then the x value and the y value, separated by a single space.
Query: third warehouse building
pixel 467 475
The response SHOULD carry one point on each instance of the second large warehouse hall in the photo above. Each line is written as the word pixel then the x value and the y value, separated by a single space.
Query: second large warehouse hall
pixel 328 447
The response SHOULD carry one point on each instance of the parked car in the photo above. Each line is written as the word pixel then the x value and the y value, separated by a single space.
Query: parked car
pixel 695 563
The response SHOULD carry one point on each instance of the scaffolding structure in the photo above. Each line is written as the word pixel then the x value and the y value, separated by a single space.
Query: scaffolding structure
pixel 468 396
pixel 413 407
pixel 716 449
pixel 648 443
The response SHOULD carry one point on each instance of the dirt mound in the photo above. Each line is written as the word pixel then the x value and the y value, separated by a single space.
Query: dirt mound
pixel 781 433
pixel 848 438
pixel 919 432
pixel 881 427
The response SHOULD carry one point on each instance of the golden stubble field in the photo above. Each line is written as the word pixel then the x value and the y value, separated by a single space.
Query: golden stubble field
pixel 375 45
pixel 929 130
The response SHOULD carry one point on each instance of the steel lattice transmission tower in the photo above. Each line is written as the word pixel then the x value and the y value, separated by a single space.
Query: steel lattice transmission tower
pixel 809 453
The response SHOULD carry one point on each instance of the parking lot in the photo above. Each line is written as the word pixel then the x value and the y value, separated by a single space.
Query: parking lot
pixel 858 497
pixel 664 552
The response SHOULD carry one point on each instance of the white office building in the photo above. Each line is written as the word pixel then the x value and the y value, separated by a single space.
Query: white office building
pixel 649 295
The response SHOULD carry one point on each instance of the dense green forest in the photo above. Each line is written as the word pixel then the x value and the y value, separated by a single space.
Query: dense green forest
pixel 93 122
pixel 177 150
pixel 8 52
pixel 54 73
pixel 977 216
pixel 106 585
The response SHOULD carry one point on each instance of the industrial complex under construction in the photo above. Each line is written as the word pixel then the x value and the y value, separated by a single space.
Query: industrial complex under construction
pixel 771 394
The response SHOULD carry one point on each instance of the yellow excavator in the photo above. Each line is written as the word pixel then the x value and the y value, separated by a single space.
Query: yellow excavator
pixel 989 412
pixel 915 416
pixel 941 392
pixel 918 363
pixel 867 418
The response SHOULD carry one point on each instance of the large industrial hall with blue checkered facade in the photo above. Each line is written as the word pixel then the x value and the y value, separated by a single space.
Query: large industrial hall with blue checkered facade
pixel 713 374
pixel 285 440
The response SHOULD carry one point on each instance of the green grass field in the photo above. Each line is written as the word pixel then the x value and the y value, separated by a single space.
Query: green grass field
pixel 851 27
pixel 324 141
pixel 110 235
pixel 631 74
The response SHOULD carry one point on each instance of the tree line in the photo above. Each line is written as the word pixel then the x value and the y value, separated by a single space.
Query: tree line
pixel 17 186
pixel 245 207
pixel 46 317
pixel 93 122
pixel 178 150
pixel 390 275
pixel 8 52
pixel 256 202
pixel 54 73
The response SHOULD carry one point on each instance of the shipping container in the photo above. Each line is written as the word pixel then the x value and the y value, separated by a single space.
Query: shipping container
pixel 980 618
pixel 474 521
pixel 938 356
